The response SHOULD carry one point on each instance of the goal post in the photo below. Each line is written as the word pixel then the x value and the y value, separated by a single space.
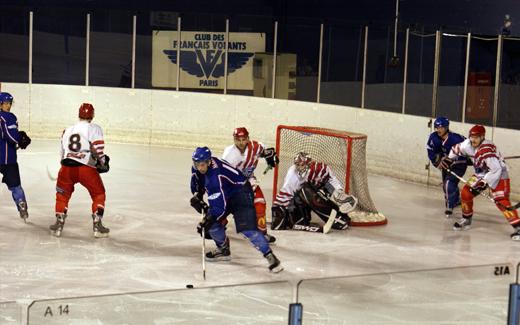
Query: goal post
pixel 344 152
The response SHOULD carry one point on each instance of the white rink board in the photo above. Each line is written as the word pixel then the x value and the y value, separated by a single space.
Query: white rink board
pixel 396 142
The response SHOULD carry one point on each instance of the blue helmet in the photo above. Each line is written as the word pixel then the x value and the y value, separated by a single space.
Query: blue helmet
pixel 441 122
pixel 201 154
pixel 6 97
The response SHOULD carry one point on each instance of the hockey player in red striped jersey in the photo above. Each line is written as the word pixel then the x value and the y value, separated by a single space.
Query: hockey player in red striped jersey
pixel 310 186
pixel 490 172
pixel 82 160
pixel 244 155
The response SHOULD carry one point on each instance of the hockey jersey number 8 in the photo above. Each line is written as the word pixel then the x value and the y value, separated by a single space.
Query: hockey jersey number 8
pixel 83 142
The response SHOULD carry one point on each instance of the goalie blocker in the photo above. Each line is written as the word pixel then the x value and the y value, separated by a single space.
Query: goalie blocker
pixel 297 216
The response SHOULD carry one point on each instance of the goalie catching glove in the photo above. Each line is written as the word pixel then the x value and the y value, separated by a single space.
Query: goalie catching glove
pixel 24 141
pixel 270 157
pixel 345 202
pixel 103 168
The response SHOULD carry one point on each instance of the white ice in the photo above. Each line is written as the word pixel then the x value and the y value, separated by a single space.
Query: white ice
pixel 153 246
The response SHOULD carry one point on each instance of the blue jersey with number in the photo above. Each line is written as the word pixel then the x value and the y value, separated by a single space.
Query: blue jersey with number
pixel 438 148
pixel 220 182
pixel 9 137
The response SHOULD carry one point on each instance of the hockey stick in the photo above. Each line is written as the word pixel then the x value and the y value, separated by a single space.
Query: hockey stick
pixel 203 235
pixel 512 157
pixel 330 221
pixel 49 175
pixel 484 194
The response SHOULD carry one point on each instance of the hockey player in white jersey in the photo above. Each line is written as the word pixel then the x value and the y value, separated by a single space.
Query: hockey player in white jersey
pixel 244 155
pixel 82 160
pixel 310 185
pixel 490 172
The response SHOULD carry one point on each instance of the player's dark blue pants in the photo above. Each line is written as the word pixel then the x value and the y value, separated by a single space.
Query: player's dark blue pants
pixel 11 178
pixel 450 184
pixel 241 206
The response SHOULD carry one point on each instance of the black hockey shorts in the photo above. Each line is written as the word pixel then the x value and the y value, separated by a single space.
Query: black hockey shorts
pixel 243 210
pixel 10 175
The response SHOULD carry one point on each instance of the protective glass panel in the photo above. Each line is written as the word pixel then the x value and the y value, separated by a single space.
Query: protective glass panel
pixel 342 71
pixel 59 46
pixel 481 80
pixel 250 69
pixel 299 40
pixel 385 71
pixel 450 92
pixel 111 48
pixel 421 61
pixel 509 98
pixel 264 303
pixel 10 313
pixel 474 295
pixel 14 37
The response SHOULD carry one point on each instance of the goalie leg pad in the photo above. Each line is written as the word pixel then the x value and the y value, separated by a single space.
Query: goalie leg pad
pixel 279 218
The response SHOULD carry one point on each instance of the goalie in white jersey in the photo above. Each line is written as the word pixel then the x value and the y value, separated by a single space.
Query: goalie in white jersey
pixel 82 160
pixel 310 186
pixel 244 156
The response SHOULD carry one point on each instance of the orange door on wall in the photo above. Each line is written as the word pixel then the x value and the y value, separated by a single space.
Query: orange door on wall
pixel 480 94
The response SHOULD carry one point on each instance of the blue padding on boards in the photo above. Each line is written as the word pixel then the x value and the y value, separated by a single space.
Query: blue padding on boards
pixel 295 314
pixel 513 318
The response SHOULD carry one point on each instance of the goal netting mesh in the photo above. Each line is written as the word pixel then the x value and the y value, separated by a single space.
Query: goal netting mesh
pixel 344 152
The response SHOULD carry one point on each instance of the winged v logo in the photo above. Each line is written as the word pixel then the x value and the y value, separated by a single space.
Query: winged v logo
pixel 208 64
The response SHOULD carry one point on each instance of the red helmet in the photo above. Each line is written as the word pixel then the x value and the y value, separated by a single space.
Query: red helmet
pixel 86 111
pixel 477 130
pixel 240 133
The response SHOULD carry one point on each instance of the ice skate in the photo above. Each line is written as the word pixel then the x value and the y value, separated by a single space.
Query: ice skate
pixel 516 234
pixel 270 238
pixel 100 231
pixel 22 208
pixel 274 263
pixel 462 224
pixel 57 228
pixel 448 212
pixel 219 254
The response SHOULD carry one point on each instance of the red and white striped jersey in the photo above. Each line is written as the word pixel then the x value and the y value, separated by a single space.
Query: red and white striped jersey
pixel 318 174
pixel 245 162
pixel 83 142
pixel 487 160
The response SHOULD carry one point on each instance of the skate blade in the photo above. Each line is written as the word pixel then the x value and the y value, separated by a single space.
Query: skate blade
pixel 218 259
pixel 462 229
pixel 277 269
pixel 516 238
pixel 56 233
pixel 100 235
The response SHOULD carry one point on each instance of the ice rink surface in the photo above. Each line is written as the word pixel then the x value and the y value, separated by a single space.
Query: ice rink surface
pixel 153 244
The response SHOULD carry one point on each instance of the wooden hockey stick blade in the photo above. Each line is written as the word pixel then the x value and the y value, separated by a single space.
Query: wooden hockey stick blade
pixel 49 175
pixel 328 226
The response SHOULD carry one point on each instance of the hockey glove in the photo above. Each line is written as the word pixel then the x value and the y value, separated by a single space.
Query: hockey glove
pixel 477 187
pixel 103 168
pixel 206 226
pixel 437 160
pixel 445 163
pixel 199 205
pixel 205 223
pixel 270 157
pixel 24 140
pixel 345 202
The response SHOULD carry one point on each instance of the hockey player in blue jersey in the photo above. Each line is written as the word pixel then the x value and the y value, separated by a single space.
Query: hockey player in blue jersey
pixel 10 140
pixel 229 192
pixel 438 147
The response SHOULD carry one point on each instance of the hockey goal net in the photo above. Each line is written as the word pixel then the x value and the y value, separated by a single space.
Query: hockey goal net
pixel 344 152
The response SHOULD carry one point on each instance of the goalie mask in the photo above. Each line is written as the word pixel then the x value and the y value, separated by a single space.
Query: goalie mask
pixel 302 161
